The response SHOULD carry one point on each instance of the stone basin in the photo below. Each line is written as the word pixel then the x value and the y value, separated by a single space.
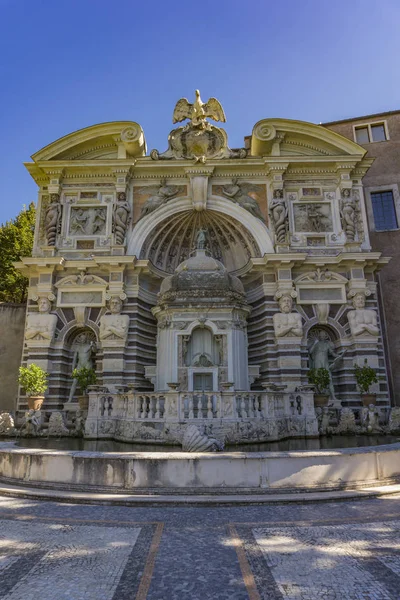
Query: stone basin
pixel 180 472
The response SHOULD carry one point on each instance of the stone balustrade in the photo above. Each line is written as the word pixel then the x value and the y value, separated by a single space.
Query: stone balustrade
pixel 172 409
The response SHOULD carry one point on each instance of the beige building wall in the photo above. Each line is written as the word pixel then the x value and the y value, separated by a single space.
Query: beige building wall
pixel 384 175
pixel 12 322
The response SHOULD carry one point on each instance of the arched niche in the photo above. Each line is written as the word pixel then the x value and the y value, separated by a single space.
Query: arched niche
pixel 167 236
pixel 202 349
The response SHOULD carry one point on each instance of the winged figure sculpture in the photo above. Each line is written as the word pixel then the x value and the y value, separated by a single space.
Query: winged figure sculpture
pixel 198 111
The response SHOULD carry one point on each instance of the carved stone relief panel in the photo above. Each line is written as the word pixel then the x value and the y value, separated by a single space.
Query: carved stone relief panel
pixel 312 217
pixel 87 221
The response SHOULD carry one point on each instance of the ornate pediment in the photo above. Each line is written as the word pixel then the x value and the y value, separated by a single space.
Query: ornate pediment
pixel 284 137
pixel 119 139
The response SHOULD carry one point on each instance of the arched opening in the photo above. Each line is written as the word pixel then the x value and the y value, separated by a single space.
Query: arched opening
pixel 172 240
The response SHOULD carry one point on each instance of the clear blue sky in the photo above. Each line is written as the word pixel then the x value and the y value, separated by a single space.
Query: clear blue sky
pixel 68 64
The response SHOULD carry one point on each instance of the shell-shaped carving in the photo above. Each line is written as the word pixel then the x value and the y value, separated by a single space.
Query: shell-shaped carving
pixel 194 441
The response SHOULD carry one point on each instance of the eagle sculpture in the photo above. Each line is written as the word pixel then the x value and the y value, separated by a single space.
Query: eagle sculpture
pixel 198 111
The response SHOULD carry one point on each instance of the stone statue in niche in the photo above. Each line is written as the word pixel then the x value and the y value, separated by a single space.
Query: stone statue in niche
pixel 362 321
pixel 114 326
pixel 287 323
pixel 240 194
pixel 163 193
pixel 322 355
pixel 52 219
pixel 121 218
pixel 201 239
pixel 84 353
pixel 348 214
pixel 279 216
pixel 43 325
pixel 88 221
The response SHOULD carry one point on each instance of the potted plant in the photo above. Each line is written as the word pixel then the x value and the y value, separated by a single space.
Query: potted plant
pixel 33 379
pixel 84 377
pixel 365 377
pixel 320 378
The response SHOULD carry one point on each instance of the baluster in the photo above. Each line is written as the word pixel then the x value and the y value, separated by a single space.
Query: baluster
pixel 146 407
pixel 191 413
pixel 242 407
pixel 209 406
pixel 142 407
pixel 257 401
pixel 216 405
pixel 157 407
pixel 252 401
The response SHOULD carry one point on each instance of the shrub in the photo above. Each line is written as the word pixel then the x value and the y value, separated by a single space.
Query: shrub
pixel 320 378
pixel 84 377
pixel 33 379
pixel 365 377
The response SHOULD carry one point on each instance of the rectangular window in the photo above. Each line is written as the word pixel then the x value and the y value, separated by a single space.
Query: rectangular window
pixel 362 136
pixel 384 210
pixel 370 132
pixel 378 133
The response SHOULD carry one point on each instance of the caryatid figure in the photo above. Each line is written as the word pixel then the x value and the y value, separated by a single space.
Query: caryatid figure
pixel 52 219
pixel 287 323
pixel 121 218
pixel 114 326
pixel 42 325
pixel 362 320
pixel 279 216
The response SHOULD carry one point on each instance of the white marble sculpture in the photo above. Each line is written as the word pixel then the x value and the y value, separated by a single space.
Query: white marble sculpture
pixel 363 321
pixel 83 358
pixel 6 423
pixel 287 323
pixel 373 420
pixel 32 423
pixel 42 325
pixel 394 420
pixel 56 425
pixel 195 441
pixel 114 327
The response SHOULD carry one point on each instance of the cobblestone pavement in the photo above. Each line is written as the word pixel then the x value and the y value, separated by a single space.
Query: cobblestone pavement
pixel 330 551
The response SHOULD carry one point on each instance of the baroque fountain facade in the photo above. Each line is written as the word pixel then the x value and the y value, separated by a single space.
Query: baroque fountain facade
pixel 202 282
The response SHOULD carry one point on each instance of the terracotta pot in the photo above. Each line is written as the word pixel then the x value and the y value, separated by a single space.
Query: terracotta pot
pixel 83 402
pixel 321 400
pixel 35 402
pixel 368 399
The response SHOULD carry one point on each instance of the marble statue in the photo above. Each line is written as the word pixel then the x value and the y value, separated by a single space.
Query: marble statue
pixel 348 214
pixel 394 420
pixel 362 320
pixel 83 357
pixel 198 111
pixel 240 194
pixel 32 423
pixel 287 323
pixel 163 193
pixel 201 239
pixel 279 216
pixel 121 218
pixel 321 352
pixel 347 421
pixel 6 423
pixel 114 326
pixel 52 218
pixel 42 325
pixel 79 426
pixel 323 424
pixel 194 441
pixel 373 420
pixel 56 425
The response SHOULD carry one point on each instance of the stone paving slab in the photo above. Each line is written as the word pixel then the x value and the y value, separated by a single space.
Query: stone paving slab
pixel 315 551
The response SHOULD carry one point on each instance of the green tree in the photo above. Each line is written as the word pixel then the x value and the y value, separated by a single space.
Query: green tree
pixel 16 240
